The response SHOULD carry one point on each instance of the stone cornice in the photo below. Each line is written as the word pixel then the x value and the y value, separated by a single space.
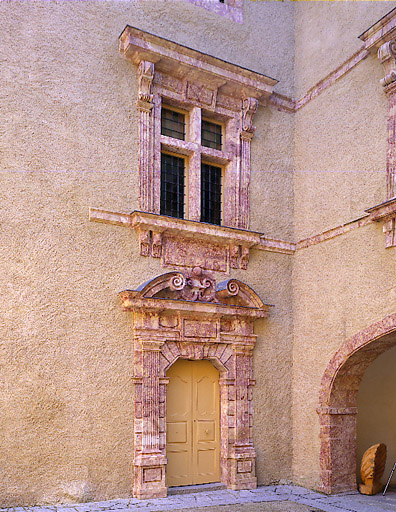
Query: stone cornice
pixel 381 32
pixel 383 210
pixel 187 228
pixel 177 60
pixel 132 302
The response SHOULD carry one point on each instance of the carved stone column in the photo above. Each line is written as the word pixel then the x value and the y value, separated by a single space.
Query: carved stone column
pixel 145 107
pixel 149 460
pixel 242 455
pixel 387 55
pixel 249 108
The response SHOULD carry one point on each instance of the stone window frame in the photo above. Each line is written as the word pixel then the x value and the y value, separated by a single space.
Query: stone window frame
pixel 197 83
pixel 232 9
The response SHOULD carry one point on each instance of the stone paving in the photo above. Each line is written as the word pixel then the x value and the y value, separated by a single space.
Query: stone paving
pixel 281 498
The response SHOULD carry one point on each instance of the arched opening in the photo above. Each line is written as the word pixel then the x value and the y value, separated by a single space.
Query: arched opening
pixel 192 423
pixel 338 403
pixel 376 419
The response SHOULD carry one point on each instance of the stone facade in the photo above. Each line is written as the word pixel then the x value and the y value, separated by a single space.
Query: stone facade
pixel 308 225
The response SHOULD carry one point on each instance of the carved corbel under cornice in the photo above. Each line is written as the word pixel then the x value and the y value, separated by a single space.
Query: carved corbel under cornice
pixel 387 57
pixel 249 108
pixel 146 76
pixel 386 213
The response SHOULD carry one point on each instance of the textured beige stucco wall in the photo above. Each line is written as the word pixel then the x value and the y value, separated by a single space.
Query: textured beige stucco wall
pixel 376 418
pixel 340 152
pixel 68 141
pixel 326 34
pixel 271 181
pixel 343 285
pixel 340 287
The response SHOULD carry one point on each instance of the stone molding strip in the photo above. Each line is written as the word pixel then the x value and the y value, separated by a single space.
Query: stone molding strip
pixel 287 104
pixel 232 9
pixel 334 232
pixel 332 77
pixel 384 212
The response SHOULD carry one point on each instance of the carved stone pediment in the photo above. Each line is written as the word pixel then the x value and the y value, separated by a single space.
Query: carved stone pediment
pixel 195 285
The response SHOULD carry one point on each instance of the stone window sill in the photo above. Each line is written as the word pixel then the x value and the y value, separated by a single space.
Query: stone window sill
pixel 186 243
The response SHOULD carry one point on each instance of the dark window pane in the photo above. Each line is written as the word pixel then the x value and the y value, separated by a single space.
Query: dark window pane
pixel 211 135
pixel 173 124
pixel 172 186
pixel 210 194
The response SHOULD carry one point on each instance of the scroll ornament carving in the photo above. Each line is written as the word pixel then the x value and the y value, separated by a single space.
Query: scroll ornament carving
pixel 387 57
pixel 195 286
pixel 146 76
pixel 249 108
pixel 372 469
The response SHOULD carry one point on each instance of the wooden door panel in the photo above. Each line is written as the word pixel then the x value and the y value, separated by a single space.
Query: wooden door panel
pixel 193 423
pixel 206 431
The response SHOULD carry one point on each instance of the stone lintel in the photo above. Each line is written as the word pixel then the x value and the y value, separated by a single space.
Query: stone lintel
pixel 132 302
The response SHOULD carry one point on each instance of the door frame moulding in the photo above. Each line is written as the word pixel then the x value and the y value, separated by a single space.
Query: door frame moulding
pixel 187 315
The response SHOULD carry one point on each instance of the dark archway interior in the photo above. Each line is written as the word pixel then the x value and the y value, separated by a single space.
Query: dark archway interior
pixel 376 419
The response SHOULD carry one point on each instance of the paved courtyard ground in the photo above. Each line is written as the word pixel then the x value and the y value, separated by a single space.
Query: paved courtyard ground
pixel 282 498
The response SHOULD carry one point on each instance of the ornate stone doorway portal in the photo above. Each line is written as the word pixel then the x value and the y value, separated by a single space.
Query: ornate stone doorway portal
pixel 186 316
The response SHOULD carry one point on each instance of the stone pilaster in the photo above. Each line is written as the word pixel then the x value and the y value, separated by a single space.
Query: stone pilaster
pixel 145 107
pixel 387 57
pixel 338 449
pixel 242 454
pixel 149 460
pixel 249 108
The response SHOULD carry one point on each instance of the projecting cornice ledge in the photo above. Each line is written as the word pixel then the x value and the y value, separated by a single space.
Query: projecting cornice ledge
pixel 381 32
pixel 386 213
pixel 186 243
pixel 381 37
pixel 186 65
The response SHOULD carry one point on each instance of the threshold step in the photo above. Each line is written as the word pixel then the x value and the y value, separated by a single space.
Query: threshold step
pixel 187 489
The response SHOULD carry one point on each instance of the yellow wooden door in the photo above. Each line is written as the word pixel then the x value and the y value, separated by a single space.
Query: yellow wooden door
pixel 193 423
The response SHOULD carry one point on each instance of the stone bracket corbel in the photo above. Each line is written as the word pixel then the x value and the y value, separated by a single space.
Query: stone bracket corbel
pixel 150 243
pixel 386 213
pixel 239 256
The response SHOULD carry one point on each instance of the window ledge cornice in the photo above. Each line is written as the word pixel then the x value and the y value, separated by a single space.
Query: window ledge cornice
pixel 221 247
